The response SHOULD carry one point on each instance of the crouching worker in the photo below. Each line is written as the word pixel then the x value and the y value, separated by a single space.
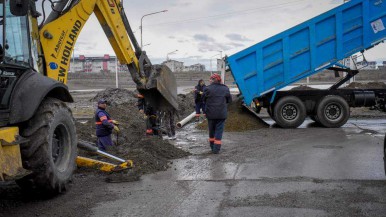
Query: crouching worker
pixel 104 126
pixel 150 115
pixel 216 97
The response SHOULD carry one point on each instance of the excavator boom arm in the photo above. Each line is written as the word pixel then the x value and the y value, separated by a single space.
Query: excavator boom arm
pixel 59 36
pixel 59 33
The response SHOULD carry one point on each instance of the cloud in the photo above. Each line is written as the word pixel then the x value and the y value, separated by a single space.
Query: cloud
pixel 196 29
pixel 237 37
pixel 203 37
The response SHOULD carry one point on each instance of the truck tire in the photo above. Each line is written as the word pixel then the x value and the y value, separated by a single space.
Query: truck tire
pixel 333 111
pixel 51 151
pixel 289 112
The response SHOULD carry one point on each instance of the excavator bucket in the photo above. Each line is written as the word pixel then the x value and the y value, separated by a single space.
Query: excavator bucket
pixel 161 88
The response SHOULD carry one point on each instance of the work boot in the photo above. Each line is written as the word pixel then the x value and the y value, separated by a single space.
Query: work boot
pixel 211 146
pixel 216 149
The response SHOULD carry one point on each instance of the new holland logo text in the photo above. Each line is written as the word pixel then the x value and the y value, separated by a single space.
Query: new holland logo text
pixel 66 53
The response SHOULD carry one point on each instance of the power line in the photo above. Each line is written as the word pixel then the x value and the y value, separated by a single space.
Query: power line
pixel 231 13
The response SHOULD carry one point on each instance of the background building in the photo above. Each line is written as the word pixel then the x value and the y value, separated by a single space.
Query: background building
pixel 195 68
pixel 105 64
pixel 174 66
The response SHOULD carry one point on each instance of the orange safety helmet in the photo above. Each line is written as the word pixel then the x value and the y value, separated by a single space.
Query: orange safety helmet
pixel 216 77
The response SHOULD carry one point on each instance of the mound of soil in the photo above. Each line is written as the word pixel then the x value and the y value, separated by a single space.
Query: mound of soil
pixel 185 104
pixel 303 87
pixel 116 96
pixel 370 85
pixel 239 119
pixel 149 154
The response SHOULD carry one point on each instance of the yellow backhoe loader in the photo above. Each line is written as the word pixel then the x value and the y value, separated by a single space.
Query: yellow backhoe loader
pixel 38 142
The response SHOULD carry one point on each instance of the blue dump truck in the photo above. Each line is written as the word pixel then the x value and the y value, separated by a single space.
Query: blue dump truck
pixel 311 47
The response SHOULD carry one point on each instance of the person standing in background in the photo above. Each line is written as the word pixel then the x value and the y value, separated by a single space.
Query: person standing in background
pixel 216 96
pixel 198 99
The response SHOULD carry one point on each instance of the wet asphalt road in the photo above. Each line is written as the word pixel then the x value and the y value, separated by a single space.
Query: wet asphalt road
pixel 309 171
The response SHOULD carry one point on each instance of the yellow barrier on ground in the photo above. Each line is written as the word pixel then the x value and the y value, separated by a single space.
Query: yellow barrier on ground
pixel 10 156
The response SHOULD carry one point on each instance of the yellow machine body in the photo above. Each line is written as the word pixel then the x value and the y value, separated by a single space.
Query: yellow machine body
pixel 10 158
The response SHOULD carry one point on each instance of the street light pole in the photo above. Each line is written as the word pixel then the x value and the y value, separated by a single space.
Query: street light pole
pixel 211 68
pixel 141 27
pixel 167 55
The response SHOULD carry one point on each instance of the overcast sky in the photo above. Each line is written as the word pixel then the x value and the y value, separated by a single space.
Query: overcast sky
pixel 200 29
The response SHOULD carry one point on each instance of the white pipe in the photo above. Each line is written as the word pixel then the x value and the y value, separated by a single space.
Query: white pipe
pixel 186 120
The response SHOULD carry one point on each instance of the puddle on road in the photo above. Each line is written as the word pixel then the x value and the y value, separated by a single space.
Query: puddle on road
pixel 355 125
pixel 194 169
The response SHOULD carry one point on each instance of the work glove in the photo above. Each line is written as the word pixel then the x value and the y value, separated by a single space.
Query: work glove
pixel 115 122
pixel 201 92
pixel 116 129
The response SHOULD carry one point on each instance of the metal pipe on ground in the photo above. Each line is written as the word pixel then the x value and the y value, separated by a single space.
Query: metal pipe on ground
pixel 186 120
pixel 89 147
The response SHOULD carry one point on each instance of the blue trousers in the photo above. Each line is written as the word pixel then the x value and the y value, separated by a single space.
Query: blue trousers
pixel 199 106
pixel 104 141
pixel 216 129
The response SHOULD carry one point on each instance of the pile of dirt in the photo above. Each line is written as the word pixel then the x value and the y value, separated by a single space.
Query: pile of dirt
pixel 185 104
pixel 116 96
pixel 239 119
pixel 370 85
pixel 149 154
pixel 303 87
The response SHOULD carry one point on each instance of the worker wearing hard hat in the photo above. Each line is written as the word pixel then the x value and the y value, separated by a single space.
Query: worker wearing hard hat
pixel 104 126
pixel 216 97
pixel 198 99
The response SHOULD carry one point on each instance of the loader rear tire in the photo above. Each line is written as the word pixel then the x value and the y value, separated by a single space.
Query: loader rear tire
pixel 289 112
pixel 51 151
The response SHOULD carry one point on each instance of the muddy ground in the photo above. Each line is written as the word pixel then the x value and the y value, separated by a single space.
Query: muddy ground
pixel 91 195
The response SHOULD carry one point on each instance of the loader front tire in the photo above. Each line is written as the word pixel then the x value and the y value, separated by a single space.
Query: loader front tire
pixel 51 151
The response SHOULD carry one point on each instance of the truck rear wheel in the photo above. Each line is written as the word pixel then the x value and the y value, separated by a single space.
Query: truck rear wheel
pixel 51 151
pixel 333 111
pixel 289 112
